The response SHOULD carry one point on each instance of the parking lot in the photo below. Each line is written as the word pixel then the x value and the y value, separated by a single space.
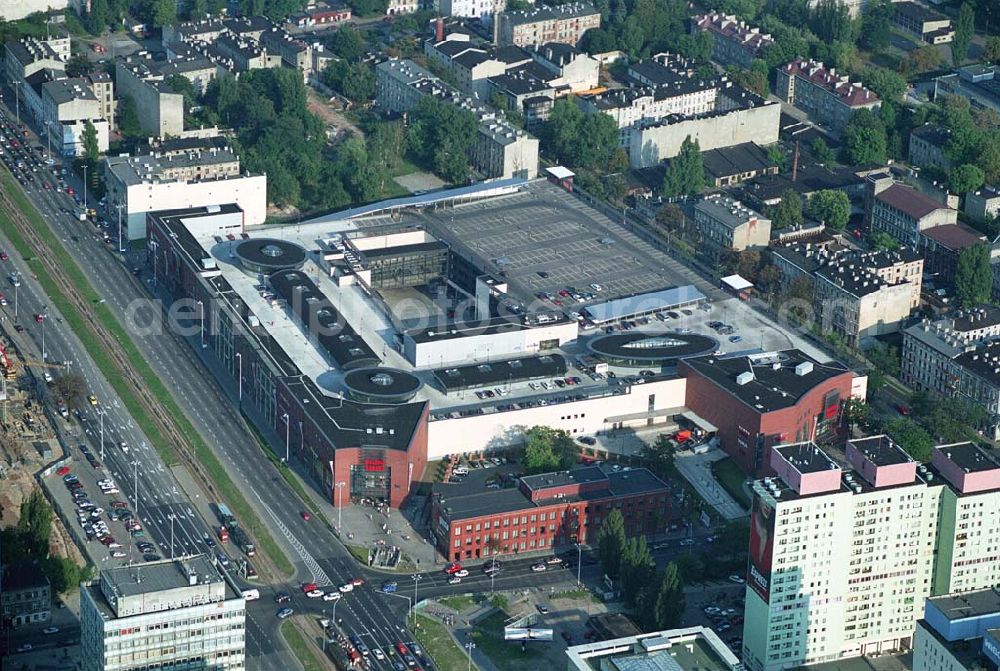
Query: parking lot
pixel 546 240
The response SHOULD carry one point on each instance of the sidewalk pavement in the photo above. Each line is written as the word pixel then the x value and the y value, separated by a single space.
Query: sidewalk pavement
pixel 697 469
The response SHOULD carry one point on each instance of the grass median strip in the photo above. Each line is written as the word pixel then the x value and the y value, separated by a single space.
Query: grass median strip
pixel 439 645
pixel 78 324
pixel 303 652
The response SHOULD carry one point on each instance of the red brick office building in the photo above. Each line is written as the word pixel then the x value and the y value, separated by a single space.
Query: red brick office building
pixel 763 400
pixel 538 513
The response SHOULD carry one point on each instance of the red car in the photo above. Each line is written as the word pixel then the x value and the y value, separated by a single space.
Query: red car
pixel 452 568
pixel 308 587
pixel 358 582
pixel 64 470
pixel 4 256
pixel 903 409
pixel 70 190
pixel 401 648
pixel 306 516
pixel 39 318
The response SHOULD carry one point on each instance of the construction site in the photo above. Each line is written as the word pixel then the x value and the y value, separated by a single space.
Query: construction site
pixel 28 440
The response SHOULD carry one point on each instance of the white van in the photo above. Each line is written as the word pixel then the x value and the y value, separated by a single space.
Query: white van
pixel 251 594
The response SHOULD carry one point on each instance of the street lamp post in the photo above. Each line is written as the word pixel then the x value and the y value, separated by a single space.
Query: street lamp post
pixel 239 357
pixel 579 562
pixel 121 241
pixel 17 101
pixel 172 517
pixel 287 436
pixel 15 300
pixel 201 311
pixel 101 415
pixel 85 167
pixel 470 646
pixel 43 314
pixel 416 581
pixel 340 502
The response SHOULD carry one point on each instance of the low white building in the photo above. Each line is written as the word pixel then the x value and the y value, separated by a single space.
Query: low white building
pixel 140 184
pixel 166 614
pixel 638 405
pixel 463 344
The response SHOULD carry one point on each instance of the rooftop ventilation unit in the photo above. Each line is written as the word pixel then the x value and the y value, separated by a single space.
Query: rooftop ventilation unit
pixel 804 368
pixel 744 378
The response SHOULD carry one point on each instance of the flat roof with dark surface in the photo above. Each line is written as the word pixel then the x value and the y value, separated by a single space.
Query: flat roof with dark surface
pixel 318 316
pixel 651 347
pixel 470 498
pixel 806 457
pixel 967 604
pixel 365 425
pixel 23 576
pixel 501 372
pixel 983 361
pixel 954 236
pixel 770 389
pixel 983 316
pixel 736 160
pixel 270 254
pixel 404 250
pixel 970 457
pixel 917 12
pixel 881 450
pixel 387 383
pixel 561 478
pixel 494 325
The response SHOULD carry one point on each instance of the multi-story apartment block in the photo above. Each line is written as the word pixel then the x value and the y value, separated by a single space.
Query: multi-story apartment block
pixel 161 109
pixel 928 145
pixel 727 225
pixel 942 245
pixel 733 41
pixel 956 357
pixel 399 7
pixel 471 8
pixel 68 105
pixel 25 595
pixel 923 23
pixel 903 212
pixel 967 556
pixel 983 204
pixel 739 116
pixel 576 71
pixel 179 613
pixel 539 25
pixel 841 554
pixel 822 93
pixel 319 15
pixel 27 56
pixel 197 174
pixel 857 294
pixel 959 632
pixel 500 149
pixel 664 85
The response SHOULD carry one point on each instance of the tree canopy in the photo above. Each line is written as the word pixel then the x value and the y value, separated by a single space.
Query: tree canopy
pixel 611 542
pixel 973 276
pixel 577 139
pixel 441 136
pixel 685 173
pixel 864 139
pixel 788 211
pixel 831 207
pixel 548 449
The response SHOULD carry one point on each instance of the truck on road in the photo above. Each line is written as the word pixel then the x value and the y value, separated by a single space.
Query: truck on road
pixel 231 529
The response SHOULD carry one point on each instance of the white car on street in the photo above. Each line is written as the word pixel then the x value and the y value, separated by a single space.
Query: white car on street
pixel 346 587
pixel 315 593
pixel 331 596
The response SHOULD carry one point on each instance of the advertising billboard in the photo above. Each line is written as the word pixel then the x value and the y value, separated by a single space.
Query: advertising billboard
pixel 761 548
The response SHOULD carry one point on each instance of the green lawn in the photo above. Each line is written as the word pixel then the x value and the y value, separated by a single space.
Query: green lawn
pixel 439 645
pixel 306 655
pixel 731 478
pixel 458 603
pixel 78 323
pixel 507 656
pixel 360 553
pixel 576 594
